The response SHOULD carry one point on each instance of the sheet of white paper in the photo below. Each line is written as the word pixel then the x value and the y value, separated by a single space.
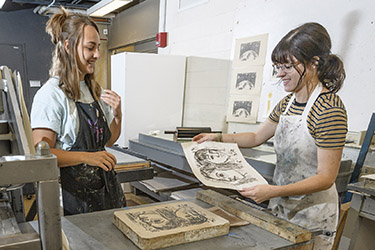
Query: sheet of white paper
pixel 369 176
pixel 221 165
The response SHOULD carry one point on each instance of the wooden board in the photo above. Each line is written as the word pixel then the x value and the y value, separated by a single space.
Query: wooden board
pixel 233 220
pixel 267 221
pixel 126 161
pixel 25 115
pixel 132 166
pixel 168 224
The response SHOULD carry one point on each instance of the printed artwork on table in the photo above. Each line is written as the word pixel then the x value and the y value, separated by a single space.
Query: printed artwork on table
pixel 250 51
pixel 247 80
pixel 156 220
pixel 168 217
pixel 221 165
pixel 243 108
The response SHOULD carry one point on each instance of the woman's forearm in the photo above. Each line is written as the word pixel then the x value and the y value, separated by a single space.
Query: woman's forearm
pixel 115 130
pixel 310 185
pixel 69 158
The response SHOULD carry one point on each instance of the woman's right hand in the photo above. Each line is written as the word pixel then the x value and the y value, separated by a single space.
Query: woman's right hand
pixel 205 137
pixel 102 159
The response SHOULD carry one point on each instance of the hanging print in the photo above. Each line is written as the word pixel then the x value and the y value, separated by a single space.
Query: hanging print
pixel 221 165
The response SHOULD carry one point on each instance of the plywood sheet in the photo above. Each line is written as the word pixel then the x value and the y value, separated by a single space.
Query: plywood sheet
pixel 267 221
pixel 233 220
pixel 168 224
pixel 159 184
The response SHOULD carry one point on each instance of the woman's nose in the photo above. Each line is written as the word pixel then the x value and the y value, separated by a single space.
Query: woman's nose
pixel 97 54
pixel 280 73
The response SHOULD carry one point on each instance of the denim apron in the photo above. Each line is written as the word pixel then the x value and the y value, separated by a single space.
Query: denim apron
pixel 89 188
pixel 297 160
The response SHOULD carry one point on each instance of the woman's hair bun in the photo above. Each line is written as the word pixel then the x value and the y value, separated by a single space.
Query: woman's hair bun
pixel 55 24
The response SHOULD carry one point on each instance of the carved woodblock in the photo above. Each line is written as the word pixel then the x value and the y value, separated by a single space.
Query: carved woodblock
pixel 267 221
pixel 168 224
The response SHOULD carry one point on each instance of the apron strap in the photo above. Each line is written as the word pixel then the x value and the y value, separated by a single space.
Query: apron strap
pixel 290 103
pixel 314 95
pixel 310 102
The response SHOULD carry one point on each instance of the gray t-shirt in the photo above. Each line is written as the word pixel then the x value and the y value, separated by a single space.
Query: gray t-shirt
pixel 53 110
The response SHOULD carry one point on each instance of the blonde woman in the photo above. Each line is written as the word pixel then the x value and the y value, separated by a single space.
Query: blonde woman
pixel 77 118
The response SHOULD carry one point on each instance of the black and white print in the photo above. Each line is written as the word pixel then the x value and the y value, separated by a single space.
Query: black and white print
pixel 246 81
pixel 250 51
pixel 221 165
pixel 168 217
pixel 243 108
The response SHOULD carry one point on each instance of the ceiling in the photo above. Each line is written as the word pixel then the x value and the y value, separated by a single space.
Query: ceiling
pixel 14 5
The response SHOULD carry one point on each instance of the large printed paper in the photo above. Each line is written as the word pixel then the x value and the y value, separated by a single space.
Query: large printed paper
pixel 221 165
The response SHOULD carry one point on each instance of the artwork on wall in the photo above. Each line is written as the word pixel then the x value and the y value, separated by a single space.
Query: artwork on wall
pixel 250 51
pixel 221 165
pixel 247 80
pixel 243 108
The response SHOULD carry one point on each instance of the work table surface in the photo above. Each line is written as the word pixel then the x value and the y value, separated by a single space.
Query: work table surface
pixel 97 231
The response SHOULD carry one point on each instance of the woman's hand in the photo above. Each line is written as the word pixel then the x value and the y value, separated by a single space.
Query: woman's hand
pixel 114 100
pixel 102 159
pixel 206 137
pixel 259 193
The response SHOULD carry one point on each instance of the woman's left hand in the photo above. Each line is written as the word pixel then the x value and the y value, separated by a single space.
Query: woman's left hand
pixel 114 100
pixel 259 193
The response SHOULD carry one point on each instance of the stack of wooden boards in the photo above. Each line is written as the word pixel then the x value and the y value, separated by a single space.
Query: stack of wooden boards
pixel 172 223
pixel 126 161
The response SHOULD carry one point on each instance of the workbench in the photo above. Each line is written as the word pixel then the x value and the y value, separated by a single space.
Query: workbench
pixel 168 154
pixel 97 231
pixel 361 218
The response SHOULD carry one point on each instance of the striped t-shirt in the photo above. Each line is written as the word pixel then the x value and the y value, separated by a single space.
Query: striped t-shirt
pixel 326 122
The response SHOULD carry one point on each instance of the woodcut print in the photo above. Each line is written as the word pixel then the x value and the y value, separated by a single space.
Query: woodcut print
pixel 221 165
pixel 250 51
pixel 159 225
pixel 243 108
pixel 168 217
pixel 247 80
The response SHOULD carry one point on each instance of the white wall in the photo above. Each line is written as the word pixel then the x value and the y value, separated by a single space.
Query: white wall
pixel 210 30
pixel 205 98
pixel 152 91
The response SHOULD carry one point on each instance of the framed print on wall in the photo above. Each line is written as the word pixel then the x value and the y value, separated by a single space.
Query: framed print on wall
pixel 243 108
pixel 250 51
pixel 247 81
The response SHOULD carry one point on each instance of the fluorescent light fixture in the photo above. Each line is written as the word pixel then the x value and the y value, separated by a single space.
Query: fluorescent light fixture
pixel 2 3
pixel 105 7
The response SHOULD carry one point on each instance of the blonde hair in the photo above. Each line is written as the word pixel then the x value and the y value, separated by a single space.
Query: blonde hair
pixel 69 27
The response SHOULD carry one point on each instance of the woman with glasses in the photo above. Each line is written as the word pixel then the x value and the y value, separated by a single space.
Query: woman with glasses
pixel 309 127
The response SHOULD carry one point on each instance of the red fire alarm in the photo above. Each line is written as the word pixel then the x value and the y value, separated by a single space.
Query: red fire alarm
pixel 161 39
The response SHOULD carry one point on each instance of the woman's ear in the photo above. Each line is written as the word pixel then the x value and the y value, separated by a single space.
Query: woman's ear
pixel 316 60
pixel 66 45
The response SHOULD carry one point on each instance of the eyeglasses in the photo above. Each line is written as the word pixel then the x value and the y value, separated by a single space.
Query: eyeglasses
pixel 287 67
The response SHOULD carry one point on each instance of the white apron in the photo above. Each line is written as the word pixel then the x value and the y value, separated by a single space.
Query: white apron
pixel 297 160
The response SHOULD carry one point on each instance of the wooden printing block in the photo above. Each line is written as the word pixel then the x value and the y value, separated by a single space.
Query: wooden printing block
pixel 267 221
pixel 168 224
